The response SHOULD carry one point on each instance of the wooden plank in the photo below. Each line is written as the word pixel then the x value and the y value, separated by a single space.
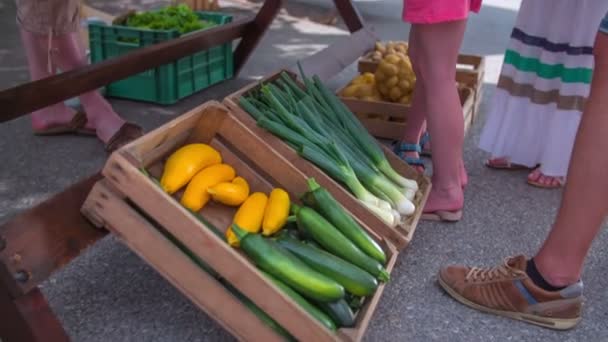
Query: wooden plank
pixel 28 97
pixel 396 114
pixel 350 15
pixel 176 267
pixel 255 31
pixel 339 55
pixel 28 318
pixel 395 235
pixel 46 237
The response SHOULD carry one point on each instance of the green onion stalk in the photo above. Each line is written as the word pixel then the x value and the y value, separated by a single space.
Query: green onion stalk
pixel 366 142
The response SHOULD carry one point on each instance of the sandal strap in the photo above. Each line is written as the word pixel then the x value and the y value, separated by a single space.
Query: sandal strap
pixel 414 161
pixel 426 137
pixel 406 147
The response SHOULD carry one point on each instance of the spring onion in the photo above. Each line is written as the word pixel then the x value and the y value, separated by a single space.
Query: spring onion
pixel 322 130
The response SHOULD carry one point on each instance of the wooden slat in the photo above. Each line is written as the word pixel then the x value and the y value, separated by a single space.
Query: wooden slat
pixel 28 97
pixel 255 32
pixel 28 318
pixel 176 267
pixel 350 15
pixel 46 237
pixel 396 114
pixel 339 55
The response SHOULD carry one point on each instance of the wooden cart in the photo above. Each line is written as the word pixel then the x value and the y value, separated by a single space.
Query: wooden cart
pixel 470 72
pixel 132 206
pixel 39 241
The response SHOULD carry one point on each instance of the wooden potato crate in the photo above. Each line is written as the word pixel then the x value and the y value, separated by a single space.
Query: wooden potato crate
pixel 387 120
pixel 131 205
pixel 401 235
pixel 470 72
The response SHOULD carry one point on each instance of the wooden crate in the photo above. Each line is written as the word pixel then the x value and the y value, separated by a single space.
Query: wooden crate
pixel 264 168
pixel 470 72
pixel 401 235
pixel 392 124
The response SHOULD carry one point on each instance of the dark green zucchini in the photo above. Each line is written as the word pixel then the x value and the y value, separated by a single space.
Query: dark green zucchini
pixel 335 242
pixel 354 279
pixel 323 202
pixel 270 257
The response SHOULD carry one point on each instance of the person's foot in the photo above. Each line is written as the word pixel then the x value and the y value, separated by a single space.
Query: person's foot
pixel 410 153
pixel 538 179
pixel 102 116
pixel 507 290
pixel 444 204
pixel 53 116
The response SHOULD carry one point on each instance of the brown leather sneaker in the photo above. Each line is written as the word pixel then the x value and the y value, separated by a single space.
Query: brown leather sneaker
pixel 506 290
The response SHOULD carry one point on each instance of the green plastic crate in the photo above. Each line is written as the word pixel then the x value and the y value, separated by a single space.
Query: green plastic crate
pixel 171 82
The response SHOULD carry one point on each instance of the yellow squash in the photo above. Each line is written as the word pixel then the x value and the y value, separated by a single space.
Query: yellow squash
pixel 195 197
pixel 184 163
pixel 277 210
pixel 249 216
pixel 230 193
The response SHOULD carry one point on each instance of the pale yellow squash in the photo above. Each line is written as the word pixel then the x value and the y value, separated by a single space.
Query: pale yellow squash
pixel 249 216
pixel 184 163
pixel 196 196
pixel 277 211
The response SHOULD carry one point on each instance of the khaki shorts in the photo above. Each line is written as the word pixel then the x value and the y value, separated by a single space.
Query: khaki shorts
pixel 49 16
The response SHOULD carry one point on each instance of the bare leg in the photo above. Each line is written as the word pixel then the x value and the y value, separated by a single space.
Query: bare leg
pixel 36 46
pixel 416 119
pixel 434 57
pixel 100 114
pixel 585 201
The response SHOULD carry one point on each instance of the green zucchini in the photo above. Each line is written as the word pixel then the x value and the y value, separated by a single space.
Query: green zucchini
pixel 354 279
pixel 303 303
pixel 270 257
pixel 322 201
pixel 335 242
pixel 340 312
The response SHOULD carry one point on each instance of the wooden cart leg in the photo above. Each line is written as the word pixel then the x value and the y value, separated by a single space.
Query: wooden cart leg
pixel 256 31
pixel 28 318
pixel 350 15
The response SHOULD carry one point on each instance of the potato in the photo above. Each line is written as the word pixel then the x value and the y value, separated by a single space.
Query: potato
pixel 365 90
pixel 379 76
pixel 392 58
pixel 387 68
pixel 358 80
pixel 405 99
pixel 391 82
pixel 351 90
pixel 369 78
pixel 395 94
pixel 383 88
pixel 404 85
pixel 380 47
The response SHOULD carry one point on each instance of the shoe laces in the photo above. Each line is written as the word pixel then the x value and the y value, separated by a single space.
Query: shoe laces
pixel 494 273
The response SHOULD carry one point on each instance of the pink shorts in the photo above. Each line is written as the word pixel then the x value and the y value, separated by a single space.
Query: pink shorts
pixel 438 11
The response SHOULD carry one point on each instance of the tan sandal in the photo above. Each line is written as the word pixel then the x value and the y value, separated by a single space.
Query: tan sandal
pixel 442 216
pixel 125 134
pixel 75 126
pixel 505 164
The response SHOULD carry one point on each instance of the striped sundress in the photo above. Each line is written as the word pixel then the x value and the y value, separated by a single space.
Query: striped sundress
pixel 543 85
